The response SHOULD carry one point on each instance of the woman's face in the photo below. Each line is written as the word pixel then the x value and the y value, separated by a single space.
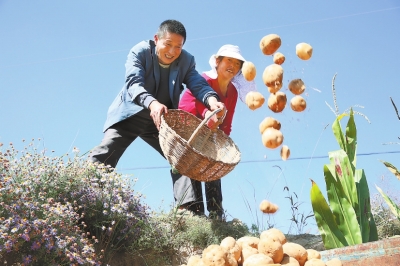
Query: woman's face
pixel 228 67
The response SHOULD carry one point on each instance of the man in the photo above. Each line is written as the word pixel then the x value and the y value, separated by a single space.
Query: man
pixel 155 72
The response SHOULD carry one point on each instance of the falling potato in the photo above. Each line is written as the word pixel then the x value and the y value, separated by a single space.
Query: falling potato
pixel 254 100
pixel 269 122
pixel 304 51
pixel 285 152
pixel 249 71
pixel 279 58
pixel 277 101
pixel 272 77
pixel 268 207
pixel 270 43
pixel 298 104
pixel 296 86
pixel 272 138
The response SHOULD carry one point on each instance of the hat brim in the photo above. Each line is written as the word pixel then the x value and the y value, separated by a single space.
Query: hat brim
pixel 232 55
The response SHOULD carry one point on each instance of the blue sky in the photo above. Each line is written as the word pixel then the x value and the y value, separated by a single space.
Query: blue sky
pixel 62 64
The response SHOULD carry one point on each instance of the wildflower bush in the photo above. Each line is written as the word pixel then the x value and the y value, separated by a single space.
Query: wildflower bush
pixel 169 239
pixel 68 211
pixel 64 210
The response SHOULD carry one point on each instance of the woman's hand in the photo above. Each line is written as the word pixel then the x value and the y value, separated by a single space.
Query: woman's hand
pixel 214 121
pixel 215 104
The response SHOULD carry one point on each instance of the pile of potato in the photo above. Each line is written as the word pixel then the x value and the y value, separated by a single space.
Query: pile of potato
pixel 271 248
pixel 272 77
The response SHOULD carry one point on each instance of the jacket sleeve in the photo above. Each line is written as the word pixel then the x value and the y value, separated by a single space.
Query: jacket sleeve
pixel 198 85
pixel 135 70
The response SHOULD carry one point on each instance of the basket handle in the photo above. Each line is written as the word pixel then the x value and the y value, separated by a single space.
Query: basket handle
pixel 192 137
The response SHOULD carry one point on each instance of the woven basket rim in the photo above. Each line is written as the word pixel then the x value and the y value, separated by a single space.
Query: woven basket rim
pixel 229 139
pixel 222 165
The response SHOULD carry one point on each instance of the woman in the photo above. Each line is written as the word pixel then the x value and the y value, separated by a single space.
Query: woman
pixel 227 81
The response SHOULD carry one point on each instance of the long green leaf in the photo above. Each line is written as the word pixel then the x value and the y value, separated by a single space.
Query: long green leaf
pixel 343 211
pixel 373 231
pixel 330 233
pixel 392 169
pixel 351 140
pixel 345 176
pixel 364 207
pixel 392 206
pixel 337 131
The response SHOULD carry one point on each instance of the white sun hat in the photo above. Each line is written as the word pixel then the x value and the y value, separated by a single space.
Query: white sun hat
pixel 241 84
pixel 230 50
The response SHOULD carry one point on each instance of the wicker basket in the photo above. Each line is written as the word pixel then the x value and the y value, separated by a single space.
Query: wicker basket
pixel 193 149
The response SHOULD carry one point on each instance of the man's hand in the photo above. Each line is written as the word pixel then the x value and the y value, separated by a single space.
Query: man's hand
pixel 156 110
pixel 215 104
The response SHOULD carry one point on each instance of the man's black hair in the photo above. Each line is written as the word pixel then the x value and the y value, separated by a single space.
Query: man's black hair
pixel 171 26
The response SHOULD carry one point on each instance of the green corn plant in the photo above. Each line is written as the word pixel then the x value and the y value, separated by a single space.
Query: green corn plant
pixel 392 205
pixel 395 209
pixel 347 219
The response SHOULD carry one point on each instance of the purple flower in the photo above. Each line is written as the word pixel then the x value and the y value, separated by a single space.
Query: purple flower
pixel 26 260
pixel 25 237
pixel 8 245
pixel 35 245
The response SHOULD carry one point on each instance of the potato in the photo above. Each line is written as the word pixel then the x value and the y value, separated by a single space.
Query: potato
pixel 272 248
pixel 272 77
pixel 296 86
pixel 279 58
pixel 272 138
pixel 214 255
pixel 194 260
pixel 277 101
pixel 334 262
pixel 289 261
pixel 270 43
pixel 313 254
pixel 257 260
pixel 274 233
pixel 234 248
pixel 314 262
pixel 269 122
pixel 285 152
pixel 296 251
pixel 304 51
pixel 268 207
pixel 247 252
pixel 254 100
pixel 231 260
pixel 298 103
pixel 249 70
pixel 251 241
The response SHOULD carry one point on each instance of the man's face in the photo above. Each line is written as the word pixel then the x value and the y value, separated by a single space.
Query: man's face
pixel 169 47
